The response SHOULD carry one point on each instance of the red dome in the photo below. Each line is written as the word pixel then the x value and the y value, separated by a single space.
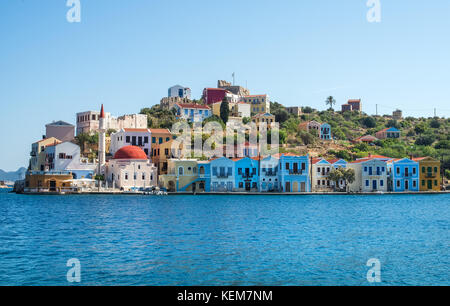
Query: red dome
pixel 130 152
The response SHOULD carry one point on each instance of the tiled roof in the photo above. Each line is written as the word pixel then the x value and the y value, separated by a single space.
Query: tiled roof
pixel 160 131
pixel 60 123
pixel 136 130
pixel 196 106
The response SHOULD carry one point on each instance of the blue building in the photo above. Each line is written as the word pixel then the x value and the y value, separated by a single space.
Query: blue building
pixel 204 176
pixel 222 175
pixel 325 131
pixel 403 175
pixel 269 175
pixel 246 174
pixel 295 173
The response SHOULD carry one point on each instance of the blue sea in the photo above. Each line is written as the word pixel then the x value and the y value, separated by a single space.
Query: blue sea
pixel 224 240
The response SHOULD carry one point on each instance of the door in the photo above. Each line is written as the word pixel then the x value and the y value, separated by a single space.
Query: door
pixel 288 187
pixel 406 185
pixel 375 185
pixel 430 184
pixel 247 187
pixel 295 168
pixel 302 187
pixel 52 185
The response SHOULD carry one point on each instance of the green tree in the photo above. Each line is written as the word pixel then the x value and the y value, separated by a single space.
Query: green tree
pixel 330 101
pixel 335 176
pixel 349 177
pixel 224 111
pixel 369 122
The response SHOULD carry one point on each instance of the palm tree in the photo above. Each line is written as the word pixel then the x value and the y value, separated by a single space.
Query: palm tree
pixel 330 101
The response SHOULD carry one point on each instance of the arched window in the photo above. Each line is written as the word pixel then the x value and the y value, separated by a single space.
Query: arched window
pixel 180 171
pixel 202 170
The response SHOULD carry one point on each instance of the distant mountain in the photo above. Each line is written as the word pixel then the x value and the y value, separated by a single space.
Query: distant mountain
pixel 13 175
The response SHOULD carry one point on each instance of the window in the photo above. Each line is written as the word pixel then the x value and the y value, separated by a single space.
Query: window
pixel 135 176
pixel 365 169
pixel 180 171
pixel 435 182
pixel 146 139
pixel 423 182
pixel 153 139
pixel 126 176
pixel 318 182
pixel 318 170
pixel 435 169
pixel 166 152
pixel 414 183
pixel 367 183
pixel 398 170
pixel 287 166
pixel 160 140
pixel 214 170
pixel 143 176
pixel 398 184
pixel 230 171
pixel 414 170
pixel 167 139
pixel 127 139
pixel 381 183
pixel 423 170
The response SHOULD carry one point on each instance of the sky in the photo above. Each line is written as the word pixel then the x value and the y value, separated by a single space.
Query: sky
pixel 126 54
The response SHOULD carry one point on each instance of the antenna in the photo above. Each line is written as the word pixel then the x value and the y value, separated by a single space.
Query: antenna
pixel 233 78
pixel 376 105
pixel 435 113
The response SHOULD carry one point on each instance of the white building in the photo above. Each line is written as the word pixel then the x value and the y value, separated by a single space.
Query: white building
pixel 88 122
pixel 66 157
pixel 134 137
pixel 180 92
pixel 131 169
pixel 193 112
pixel 371 175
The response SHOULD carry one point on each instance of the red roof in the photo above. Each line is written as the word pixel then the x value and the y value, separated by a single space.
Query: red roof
pixel 136 130
pixel 130 152
pixel 354 101
pixel 102 112
pixel 197 106
pixel 160 131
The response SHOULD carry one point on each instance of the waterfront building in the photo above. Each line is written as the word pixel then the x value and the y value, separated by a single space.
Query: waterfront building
pixel 134 137
pixel 392 133
pixel 430 173
pixel 60 130
pixel 339 164
pixel 38 157
pixel 246 174
pixel 130 169
pixel 403 175
pixel 179 91
pixel 66 156
pixel 182 176
pixel 270 178
pixel 222 174
pixel 263 118
pixel 371 174
pixel 259 103
pixel 320 180
pixel 325 131
pixel 193 112
pixel 295 173
pixel 204 176
pixel 40 181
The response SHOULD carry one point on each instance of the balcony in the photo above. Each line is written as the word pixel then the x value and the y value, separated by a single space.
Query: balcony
pixel 222 176
pixel 271 173
pixel 431 175
pixel 298 172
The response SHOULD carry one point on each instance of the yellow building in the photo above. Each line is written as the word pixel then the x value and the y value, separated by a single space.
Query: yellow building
pixel 37 181
pixel 430 173
pixel 37 160
pixel 259 103
pixel 181 175
pixel 264 118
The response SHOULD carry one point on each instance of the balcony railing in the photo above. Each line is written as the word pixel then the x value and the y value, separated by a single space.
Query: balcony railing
pixel 298 172
pixel 431 175
pixel 270 173
pixel 222 176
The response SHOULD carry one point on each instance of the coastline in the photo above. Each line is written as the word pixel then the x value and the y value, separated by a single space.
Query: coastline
pixel 240 193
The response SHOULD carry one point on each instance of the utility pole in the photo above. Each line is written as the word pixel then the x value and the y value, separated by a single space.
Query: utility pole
pixel 233 78
pixel 435 113
pixel 376 106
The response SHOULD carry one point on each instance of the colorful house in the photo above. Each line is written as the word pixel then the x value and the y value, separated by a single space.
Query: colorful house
pixel 391 133
pixel 325 131
pixel 371 175
pixel 294 173
pixel 222 175
pixel 193 112
pixel 430 174
pixel 403 175
pixel 204 176
pixel 269 175
pixel 246 174
pixel 321 169
pixel 259 103
pixel 182 176
pixel 266 118
pixel 337 164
